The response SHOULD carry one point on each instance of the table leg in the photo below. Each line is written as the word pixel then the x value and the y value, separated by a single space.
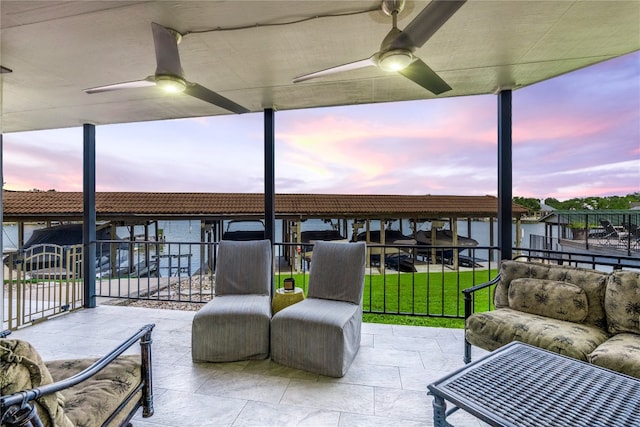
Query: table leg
pixel 440 412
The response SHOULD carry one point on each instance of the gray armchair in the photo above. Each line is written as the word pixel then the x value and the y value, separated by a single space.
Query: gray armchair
pixel 322 333
pixel 234 325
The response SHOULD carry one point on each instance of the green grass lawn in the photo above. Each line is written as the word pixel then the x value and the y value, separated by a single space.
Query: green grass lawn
pixel 424 299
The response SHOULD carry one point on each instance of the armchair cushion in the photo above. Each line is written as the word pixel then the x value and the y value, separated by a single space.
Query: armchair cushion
pixel 337 270
pixel 550 298
pixel 230 328
pixel 243 267
pixel 21 368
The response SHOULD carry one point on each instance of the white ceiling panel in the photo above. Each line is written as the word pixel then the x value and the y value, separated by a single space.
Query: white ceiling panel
pixel 56 49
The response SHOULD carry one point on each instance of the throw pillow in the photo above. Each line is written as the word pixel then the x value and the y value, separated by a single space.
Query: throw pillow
pixel 622 302
pixel 549 298
pixel 21 368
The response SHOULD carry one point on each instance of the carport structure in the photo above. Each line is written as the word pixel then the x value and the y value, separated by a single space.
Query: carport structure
pixel 249 52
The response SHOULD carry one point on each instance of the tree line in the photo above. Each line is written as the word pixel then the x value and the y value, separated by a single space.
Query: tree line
pixel 581 203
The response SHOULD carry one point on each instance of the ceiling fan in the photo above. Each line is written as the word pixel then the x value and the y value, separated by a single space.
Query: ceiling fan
pixel 169 74
pixel 396 50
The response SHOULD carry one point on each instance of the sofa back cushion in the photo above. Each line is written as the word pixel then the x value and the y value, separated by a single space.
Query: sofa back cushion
pixel 549 298
pixel 591 281
pixel 21 368
pixel 622 302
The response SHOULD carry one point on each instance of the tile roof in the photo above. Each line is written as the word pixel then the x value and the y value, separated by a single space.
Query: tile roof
pixel 55 205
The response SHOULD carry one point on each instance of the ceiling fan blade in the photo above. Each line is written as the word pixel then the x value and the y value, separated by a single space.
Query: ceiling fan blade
pixel 426 23
pixel 165 41
pixel 149 81
pixel 420 73
pixel 211 97
pixel 340 68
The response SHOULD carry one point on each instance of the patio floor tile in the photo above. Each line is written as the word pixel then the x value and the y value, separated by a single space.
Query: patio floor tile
pixel 386 384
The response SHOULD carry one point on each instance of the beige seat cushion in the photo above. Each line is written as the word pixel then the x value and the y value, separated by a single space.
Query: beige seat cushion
pixel 92 402
pixel 493 329
pixel 619 353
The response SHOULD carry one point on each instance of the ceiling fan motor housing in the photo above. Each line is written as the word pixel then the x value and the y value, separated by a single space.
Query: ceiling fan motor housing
pixel 389 7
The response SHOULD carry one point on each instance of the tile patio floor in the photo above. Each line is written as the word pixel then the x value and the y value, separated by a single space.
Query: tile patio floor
pixel 385 386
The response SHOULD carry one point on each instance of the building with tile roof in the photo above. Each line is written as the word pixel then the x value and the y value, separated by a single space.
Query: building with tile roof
pixel 139 207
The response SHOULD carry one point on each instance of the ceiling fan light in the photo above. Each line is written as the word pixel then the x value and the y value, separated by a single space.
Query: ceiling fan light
pixel 171 84
pixel 395 60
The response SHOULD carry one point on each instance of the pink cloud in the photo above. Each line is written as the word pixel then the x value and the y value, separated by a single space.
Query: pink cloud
pixel 572 136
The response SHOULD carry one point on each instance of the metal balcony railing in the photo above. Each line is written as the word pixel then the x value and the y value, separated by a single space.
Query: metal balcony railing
pixel 400 280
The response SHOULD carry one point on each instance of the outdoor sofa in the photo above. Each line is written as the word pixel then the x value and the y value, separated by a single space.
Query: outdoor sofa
pixel 76 392
pixel 586 314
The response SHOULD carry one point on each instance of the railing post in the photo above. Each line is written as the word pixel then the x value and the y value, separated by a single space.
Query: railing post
pixel 468 307
pixel 147 389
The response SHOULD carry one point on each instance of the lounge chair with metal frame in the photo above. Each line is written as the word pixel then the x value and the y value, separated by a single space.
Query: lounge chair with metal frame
pixel 75 392
pixel 610 232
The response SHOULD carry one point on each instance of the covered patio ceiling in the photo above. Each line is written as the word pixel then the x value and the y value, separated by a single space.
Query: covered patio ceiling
pixel 56 49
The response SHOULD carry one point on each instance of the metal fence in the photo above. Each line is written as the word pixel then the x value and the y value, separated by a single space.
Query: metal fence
pixel 400 280
pixel 41 282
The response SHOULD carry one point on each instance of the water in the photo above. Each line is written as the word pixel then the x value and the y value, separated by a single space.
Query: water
pixel 189 232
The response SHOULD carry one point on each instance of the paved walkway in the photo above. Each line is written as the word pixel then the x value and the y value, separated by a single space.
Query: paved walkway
pixel 386 385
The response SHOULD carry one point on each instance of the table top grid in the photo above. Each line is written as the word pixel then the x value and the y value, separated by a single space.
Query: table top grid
pixel 542 388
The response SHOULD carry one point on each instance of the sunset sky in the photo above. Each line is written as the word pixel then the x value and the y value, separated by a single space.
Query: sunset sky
pixel 575 135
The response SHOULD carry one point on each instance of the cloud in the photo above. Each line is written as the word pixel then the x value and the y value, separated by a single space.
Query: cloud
pixel 574 135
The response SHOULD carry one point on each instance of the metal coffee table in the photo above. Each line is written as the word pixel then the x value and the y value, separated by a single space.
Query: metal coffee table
pixel 521 385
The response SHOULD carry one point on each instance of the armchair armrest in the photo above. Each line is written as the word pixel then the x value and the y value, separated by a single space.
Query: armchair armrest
pixel 468 311
pixel 15 409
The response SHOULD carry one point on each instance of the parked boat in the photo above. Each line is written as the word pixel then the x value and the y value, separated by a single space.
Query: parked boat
pixel 398 258
pixel 243 230
pixel 443 244
pixel 391 237
pixel 47 248
pixel 444 238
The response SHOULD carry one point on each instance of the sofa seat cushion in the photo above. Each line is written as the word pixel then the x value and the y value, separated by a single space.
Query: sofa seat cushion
pixel 493 329
pixel 92 402
pixel 550 298
pixel 619 353
pixel 622 302
pixel 21 368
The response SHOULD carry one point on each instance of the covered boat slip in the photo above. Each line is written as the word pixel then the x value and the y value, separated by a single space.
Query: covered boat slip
pixel 355 214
